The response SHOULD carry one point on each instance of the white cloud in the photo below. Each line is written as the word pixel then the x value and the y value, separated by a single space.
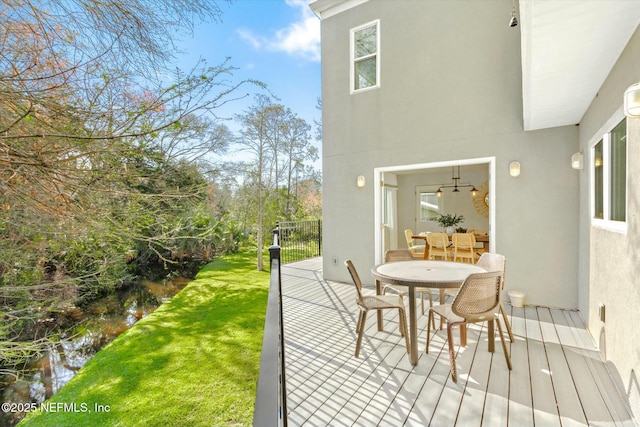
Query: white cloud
pixel 300 38
pixel 255 41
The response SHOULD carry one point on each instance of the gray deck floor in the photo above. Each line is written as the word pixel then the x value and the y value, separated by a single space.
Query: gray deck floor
pixel 558 376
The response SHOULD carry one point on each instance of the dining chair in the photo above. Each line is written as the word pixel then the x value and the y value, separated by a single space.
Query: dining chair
pixel 417 251
pixel 479 247
pixel 492 262
pixel 496 262
pixel 477 301
pixel 463 247
pixel 375 302
pixel 395 255
pixel 438 245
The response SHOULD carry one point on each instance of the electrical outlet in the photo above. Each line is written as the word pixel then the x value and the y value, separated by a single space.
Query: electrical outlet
pixel 335 260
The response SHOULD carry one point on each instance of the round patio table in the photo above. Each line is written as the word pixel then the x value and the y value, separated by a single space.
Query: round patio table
pixel 420 274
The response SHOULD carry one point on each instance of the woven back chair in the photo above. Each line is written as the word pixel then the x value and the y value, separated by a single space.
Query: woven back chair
pixel 417 251
pixel 479 247
pixel 477 301
pixel 395 255
pixel 375 302
pixel 496 262
pixel 438 245
pixel 463 247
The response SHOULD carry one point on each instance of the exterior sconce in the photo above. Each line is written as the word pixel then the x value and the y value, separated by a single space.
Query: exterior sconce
pixel 632 101
pixel 360 181
pixel 514 168
pixel 577 160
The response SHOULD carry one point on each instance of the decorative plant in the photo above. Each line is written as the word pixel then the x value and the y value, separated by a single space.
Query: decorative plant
pixel 449 220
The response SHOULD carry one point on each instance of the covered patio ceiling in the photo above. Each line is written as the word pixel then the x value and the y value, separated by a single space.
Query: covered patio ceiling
pixel 568 49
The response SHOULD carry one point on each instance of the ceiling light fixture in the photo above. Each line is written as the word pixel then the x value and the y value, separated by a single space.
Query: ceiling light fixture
pixel 457 184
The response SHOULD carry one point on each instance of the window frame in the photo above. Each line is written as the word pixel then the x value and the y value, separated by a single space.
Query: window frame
pixel 604 135
pixel 353 59
pixel 426 189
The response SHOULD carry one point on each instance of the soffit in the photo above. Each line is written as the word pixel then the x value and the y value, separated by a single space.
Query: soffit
pixel 327 8
pixel 568 49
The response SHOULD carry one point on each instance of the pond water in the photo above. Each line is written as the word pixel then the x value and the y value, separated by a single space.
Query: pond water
pixel 99 323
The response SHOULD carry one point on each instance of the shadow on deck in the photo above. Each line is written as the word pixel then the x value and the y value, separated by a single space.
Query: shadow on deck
pixel 558 376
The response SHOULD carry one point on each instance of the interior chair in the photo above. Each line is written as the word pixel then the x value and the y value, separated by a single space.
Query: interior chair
pixel 479 247
pixel 375 302
pixel 395 255
pixel 478 300
pixel 417 251
pixel 463 247
pixel 438 246
pixel 497 262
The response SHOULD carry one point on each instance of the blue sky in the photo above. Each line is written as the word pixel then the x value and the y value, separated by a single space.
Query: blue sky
pixel 274 41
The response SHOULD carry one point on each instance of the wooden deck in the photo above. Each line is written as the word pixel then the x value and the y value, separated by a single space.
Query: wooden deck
pixel 558 376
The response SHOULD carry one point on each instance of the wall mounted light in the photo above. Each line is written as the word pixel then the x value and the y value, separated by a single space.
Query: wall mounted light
pixel 513 22
pixel 577 160
pixel 632 101
pixel 514 168
pixel 360 181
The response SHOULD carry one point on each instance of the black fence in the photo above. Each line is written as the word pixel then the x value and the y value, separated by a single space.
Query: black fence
pixel 271 397
pixel 299 240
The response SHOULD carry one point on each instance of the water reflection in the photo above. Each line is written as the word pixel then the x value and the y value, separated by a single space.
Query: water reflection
pixel 98 324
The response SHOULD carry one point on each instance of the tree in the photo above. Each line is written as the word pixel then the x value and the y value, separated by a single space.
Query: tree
pixel 279 143
pixel 254 138
pixel 297 150
pixel 101 147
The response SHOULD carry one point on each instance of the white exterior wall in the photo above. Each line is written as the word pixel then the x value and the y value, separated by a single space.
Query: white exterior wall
pixel 450 89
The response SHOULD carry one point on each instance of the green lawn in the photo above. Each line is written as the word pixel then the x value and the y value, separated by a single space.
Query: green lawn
pixel 193 362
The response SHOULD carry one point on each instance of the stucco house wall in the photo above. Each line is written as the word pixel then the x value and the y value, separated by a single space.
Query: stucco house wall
pixel 609 260
pixel 450 88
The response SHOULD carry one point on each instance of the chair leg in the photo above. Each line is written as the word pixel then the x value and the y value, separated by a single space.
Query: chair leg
pixel 402 322
pixel 359 323
pixel 506 322
pixel 504 345
pixel 429 321
pixel 442 300
pixel 433 321
pixel 452 356
pixel 405 331
pixel 361 333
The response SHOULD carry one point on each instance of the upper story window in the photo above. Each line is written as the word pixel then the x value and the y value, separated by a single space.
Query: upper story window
pixel 609 179
pixel 365 56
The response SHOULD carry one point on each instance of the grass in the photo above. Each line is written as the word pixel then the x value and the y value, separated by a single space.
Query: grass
pixel 193 362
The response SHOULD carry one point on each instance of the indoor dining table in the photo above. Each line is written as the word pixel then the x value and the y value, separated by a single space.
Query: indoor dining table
pixel 420 274
pixel 480 238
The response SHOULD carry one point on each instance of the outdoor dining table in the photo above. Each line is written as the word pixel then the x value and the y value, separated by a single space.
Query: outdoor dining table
pixel 420 274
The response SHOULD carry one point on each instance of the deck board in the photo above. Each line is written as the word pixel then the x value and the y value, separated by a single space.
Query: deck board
pixel 558 376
